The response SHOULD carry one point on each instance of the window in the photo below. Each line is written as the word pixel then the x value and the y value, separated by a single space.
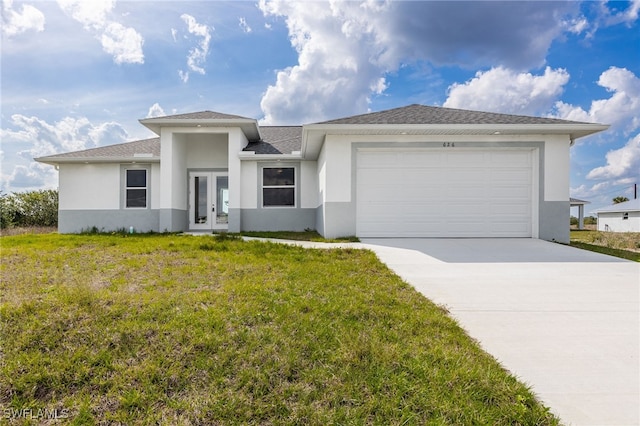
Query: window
pixel 136 188
pixel 625 216
pixel 278 187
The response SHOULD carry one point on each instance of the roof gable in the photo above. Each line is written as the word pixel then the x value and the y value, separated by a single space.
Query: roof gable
pixel 201 115
pixel 146 149
pixel 422 114
pixel 627 206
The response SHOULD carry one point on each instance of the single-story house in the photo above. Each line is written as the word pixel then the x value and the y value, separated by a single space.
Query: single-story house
pixel 415 171
pixel 621 217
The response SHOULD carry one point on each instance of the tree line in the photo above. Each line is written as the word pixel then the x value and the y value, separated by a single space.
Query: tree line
pixel 31 208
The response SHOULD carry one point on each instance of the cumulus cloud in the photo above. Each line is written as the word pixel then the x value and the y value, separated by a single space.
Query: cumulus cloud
pixel 507 91
pixel 123 43
pixel 345 48
pixel 621 110
pixel 155 111
pixel 30 137
pixel 17 22
pixel 197 56
pixel 623 163
pixel 34 176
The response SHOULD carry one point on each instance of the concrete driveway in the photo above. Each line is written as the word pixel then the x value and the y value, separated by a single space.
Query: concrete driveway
pixel 563 320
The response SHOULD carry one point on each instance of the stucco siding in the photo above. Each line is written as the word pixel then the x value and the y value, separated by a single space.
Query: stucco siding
pixel 207 151
pixel 550 180
pixel 614 222
pixel 155 186
pixel 294 219
pixel 308 180
pixel 556 168
pixel 249 185
pixel 75 221
pixel 89 186
pixel 554 221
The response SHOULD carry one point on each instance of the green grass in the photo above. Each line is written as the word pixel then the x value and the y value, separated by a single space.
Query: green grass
pixel 299 236
pixel 171 329
pixel 625 245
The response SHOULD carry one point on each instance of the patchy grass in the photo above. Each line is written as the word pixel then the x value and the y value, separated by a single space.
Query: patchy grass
pixel 28 230
pixel 169 329
pixel 300 236
pixel 620 244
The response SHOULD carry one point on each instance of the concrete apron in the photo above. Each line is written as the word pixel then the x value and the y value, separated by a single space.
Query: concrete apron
pixel 563 320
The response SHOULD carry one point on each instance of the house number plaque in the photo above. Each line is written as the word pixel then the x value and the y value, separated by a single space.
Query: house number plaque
pixel 449 144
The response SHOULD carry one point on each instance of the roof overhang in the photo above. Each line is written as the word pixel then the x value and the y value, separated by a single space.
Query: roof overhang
pixel 54 161
pixel 313 134
pixel 248 155
pixel 248 126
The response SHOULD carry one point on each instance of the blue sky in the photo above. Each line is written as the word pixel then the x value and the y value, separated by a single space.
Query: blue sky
pixel 80 74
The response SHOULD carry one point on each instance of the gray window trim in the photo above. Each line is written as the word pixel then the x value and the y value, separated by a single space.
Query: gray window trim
pixel 296 187
pixel 123 185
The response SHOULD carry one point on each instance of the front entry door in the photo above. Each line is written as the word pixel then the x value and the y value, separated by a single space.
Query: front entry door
pixel 208 201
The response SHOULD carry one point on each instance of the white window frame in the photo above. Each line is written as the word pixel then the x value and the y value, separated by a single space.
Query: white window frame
pixel 125 188
pixel 294 186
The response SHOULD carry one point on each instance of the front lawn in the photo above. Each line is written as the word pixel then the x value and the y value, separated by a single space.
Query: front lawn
pixel 620 244
pixel 171 329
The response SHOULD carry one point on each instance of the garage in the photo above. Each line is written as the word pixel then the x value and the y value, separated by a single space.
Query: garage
pixel 450 192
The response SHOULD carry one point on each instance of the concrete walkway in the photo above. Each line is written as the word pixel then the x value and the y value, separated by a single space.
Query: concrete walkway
pixel 563 320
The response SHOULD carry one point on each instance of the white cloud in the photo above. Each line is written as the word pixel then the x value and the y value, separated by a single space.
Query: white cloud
pixel 14 22
pixel 174 34
pixel 92 14
pixel 244 26
pixel 31 137
pixel 337 63
pixel 577 25
pixel 155 111
pixel 621 110
pixel 123 43
pixel 24 178
pixel 506 91
pixel 345 48
pixel 614 17
pixel 622 163
pixel 197 55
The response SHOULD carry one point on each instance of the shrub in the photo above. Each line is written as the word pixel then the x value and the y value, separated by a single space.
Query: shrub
pixel 31 208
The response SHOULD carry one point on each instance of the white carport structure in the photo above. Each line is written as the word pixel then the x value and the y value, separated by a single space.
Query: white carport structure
pixel 580 204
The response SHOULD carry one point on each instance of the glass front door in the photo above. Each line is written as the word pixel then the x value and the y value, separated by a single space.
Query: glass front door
pixel 208 200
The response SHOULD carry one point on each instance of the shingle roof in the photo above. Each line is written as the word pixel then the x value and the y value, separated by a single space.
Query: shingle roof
pixel 422 114
pixel 627 206
pixel 277 140
pixel 577 201
pixel 122 150
pixel 201 115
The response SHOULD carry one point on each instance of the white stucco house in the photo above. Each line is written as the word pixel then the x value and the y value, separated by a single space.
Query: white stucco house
pixel 415 171
pixel 621 217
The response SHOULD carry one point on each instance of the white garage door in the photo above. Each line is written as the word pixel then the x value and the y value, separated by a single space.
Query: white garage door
pixel 444 193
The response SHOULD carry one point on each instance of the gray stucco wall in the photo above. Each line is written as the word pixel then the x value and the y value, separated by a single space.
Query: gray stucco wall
pixel 173 220
pixel 74 221
pixel 554 221
pixel 296 219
